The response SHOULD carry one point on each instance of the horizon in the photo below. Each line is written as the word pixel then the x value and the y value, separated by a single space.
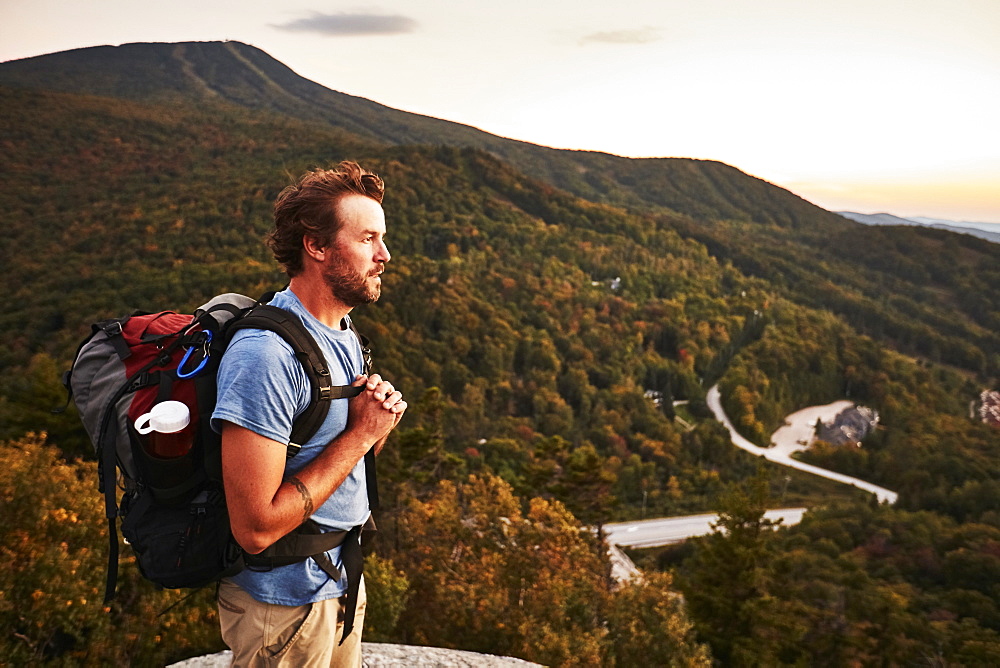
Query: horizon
pixel 857 108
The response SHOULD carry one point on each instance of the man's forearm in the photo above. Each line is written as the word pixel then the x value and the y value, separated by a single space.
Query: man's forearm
pixel 292 499
pixel 319 479
pixel 264 503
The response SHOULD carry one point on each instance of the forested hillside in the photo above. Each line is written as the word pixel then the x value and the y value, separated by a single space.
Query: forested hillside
pixel 927 293
pixel 541 339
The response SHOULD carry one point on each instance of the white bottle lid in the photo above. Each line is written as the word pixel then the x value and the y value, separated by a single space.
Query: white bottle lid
pixel 166 417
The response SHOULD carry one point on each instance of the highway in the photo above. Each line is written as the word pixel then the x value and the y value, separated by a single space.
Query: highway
pixel 670 530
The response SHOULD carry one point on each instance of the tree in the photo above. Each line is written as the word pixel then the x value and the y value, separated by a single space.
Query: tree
pixel 488 577
pixel 584 485
pixel 725 581
pixel 648 626
pixel 387 589
pixel 53 537
pixel 30 401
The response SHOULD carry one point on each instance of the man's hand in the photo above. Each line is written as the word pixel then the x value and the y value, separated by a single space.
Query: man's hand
pixel 376 411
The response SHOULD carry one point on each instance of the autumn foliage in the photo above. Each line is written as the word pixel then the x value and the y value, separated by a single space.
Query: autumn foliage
pixel 53 543
pixel 471 570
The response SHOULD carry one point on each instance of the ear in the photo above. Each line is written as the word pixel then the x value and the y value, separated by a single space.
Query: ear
pixel 314 248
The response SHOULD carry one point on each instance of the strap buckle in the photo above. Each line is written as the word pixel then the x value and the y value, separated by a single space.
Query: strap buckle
pixel 113 328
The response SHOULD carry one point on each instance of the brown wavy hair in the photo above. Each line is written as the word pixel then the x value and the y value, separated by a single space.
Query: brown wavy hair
pixel 308 208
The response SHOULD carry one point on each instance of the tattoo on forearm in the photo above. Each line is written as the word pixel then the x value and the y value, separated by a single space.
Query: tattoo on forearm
pixel 307 501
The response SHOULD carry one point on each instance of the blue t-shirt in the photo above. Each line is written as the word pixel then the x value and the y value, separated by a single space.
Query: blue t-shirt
pixel 262 387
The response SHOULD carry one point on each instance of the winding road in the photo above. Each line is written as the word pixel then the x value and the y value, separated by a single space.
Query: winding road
pixel 793 437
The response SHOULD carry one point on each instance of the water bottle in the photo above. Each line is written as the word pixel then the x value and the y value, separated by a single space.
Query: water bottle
pixel 167 429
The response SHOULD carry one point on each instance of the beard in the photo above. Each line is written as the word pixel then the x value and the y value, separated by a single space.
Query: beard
pixel 350 287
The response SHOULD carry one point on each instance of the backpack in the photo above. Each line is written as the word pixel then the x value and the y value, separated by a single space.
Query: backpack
pixel 173 511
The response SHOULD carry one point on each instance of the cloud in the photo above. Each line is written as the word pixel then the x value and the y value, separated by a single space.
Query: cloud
pixel 346 25
pixel 637 36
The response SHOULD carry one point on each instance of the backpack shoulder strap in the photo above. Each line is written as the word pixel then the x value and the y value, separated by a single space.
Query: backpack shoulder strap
pixel 290 328
pixel 366 350
pixel 370 475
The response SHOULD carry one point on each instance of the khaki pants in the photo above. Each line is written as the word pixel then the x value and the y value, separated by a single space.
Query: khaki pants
pixel 268 635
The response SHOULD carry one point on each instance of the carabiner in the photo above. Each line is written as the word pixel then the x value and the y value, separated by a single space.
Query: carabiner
pixel 204 356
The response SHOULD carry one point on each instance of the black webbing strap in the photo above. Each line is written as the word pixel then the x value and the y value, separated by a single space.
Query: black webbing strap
pixel 366 351
pixel 209 441
pixel 308 540
pixel 113 330
pixel 370 480
pixel 166 386
pixel 354 560
pixel 107 469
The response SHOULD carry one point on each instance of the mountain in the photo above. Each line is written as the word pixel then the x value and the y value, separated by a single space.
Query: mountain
pixel 987 231
pixel 876 218
pixel 245 76
pixel 964 224
pixel 762 229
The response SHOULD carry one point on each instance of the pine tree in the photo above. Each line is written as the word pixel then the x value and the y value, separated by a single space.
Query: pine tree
pixel 725 581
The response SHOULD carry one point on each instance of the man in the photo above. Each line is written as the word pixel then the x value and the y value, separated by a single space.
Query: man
pixel 329 235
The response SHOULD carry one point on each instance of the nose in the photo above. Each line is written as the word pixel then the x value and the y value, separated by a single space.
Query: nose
pixel 382 254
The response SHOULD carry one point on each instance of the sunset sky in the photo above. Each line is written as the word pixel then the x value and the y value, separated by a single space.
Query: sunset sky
pixel 862 105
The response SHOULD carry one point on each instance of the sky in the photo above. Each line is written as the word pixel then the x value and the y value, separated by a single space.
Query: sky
pixel 861 105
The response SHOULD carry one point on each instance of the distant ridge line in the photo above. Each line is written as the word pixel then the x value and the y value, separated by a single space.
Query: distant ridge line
pixel 957 227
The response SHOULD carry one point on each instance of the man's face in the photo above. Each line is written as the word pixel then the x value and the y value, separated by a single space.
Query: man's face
pixel 358 253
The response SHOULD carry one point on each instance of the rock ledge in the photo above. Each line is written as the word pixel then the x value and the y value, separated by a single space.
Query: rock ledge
pixel 381 655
